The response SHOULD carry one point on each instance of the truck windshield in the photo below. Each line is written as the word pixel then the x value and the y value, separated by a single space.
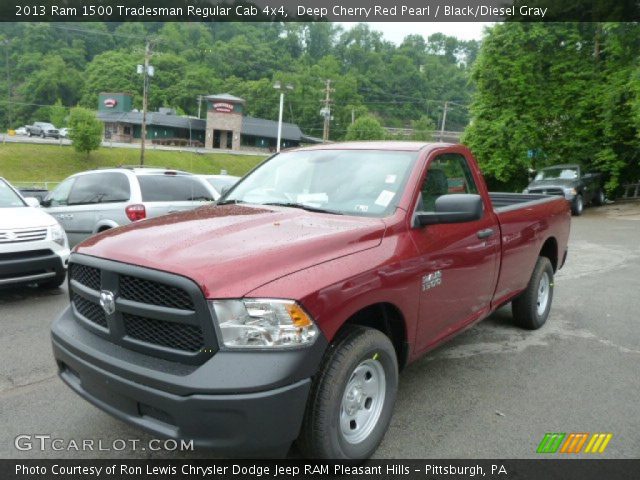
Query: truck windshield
pixel 349 182
pixel 9 198
pixel 560 172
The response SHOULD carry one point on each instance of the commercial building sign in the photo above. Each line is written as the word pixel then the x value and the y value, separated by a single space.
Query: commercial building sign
pixel 110 102
pixel 223 107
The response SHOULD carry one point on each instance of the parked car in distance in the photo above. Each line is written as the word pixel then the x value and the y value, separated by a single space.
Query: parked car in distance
pixel 64 132
pixel 570 182
pixel 295 301
pixel 21 131
pixel 94 201
pixel 220 183
pixel 42 129
pixel 33 246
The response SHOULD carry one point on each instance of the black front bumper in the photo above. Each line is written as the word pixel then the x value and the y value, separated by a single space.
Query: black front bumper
pixel 21 267
pixel 236 402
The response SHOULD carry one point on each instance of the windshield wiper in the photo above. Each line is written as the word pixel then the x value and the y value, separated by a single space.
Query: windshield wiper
pixel 230 202
pixel 303 207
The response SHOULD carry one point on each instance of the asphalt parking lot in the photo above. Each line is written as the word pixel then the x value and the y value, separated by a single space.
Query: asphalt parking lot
pixel 493 392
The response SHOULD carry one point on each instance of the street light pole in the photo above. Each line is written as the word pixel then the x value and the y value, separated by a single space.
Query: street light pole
pixel 278 86
pixel 280 121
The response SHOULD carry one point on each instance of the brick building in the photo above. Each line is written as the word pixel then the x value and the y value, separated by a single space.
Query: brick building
pixel 226 127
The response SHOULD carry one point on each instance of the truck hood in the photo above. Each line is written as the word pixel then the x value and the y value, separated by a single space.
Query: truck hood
pixel 24 217
pixel 554 182
pixel 233 249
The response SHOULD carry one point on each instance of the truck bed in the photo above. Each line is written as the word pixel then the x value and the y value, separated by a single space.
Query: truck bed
pixel 504 201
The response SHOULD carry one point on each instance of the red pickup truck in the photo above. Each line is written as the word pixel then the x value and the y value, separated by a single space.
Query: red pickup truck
pixel 286 311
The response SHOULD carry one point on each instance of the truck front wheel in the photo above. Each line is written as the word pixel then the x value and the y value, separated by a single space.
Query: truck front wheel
pixel 577 206
pixel 352 397
pixel 531 308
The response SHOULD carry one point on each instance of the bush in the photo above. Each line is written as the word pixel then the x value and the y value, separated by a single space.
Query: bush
pixel 365 128
pixel 86 130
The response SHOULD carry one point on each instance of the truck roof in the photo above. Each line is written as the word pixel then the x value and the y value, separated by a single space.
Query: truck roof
pixel 379 145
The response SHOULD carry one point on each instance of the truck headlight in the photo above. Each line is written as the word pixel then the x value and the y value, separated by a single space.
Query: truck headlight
pixel 58 235
pixel 263 323
pixel 570 192
pixel 526 190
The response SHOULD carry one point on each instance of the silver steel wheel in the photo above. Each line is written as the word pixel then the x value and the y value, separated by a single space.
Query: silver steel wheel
pixel 362 401
pixel 543 293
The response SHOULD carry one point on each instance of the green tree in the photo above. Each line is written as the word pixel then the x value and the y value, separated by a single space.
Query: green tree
pixel 423 129
pixel 86 130
pixel 58 114
pixel 365 128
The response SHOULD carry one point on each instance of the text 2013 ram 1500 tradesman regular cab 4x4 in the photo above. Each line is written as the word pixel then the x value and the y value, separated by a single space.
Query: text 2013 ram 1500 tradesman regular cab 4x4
pixel 286 311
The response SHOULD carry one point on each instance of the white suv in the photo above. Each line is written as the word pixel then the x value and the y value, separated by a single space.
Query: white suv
pixel 94 201
pixel 33 246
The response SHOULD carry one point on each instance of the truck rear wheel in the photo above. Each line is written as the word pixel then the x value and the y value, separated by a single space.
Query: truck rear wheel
pixel 352 397
pixel 531 308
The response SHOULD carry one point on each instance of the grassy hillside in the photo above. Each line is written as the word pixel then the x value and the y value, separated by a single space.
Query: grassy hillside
pixel 39 163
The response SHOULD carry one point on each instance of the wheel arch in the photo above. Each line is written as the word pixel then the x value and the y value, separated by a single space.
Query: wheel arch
pixel 550 250
pixel 387 318
pixel 104 225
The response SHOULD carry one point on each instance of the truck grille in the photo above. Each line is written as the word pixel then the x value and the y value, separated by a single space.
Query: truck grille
pixel 144 291
pixel 168 334
pixel 87 276
pixel 89 310
pixel 152 312
pixel 548 191
pixel 24 235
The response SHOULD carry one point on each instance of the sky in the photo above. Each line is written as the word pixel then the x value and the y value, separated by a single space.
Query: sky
pixel 396 31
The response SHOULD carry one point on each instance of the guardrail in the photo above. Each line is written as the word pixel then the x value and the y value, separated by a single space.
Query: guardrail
pixel 47 185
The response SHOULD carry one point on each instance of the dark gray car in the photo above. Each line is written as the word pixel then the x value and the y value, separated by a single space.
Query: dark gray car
pixel 569 181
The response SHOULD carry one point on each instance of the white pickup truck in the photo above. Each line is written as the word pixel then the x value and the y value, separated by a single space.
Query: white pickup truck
pixel 33 245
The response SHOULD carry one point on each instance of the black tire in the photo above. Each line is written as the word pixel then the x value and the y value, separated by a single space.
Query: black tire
pixel 55 282
pixel 322 431
pixel 577 206
pixel 41 134
pixel 600 198
pixel 526 308
pixel 29 134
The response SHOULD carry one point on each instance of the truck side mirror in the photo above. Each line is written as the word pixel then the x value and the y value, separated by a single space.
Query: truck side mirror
pixel 455 208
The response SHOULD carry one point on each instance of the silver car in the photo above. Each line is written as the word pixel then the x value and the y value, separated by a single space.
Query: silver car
pixel 90 202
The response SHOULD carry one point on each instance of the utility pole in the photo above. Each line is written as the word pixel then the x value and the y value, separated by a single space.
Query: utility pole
pixel 145 87
pixel 326 110
pixel 199 104
pixel 444 120
pixel 353 116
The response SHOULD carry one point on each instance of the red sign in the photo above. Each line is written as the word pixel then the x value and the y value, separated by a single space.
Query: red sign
pixel 110 102
pixel 223 107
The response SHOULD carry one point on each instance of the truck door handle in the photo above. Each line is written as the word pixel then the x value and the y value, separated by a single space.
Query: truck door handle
pixel 486 233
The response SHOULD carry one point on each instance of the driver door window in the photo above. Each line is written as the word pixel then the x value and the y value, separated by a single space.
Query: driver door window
pixel 446 175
